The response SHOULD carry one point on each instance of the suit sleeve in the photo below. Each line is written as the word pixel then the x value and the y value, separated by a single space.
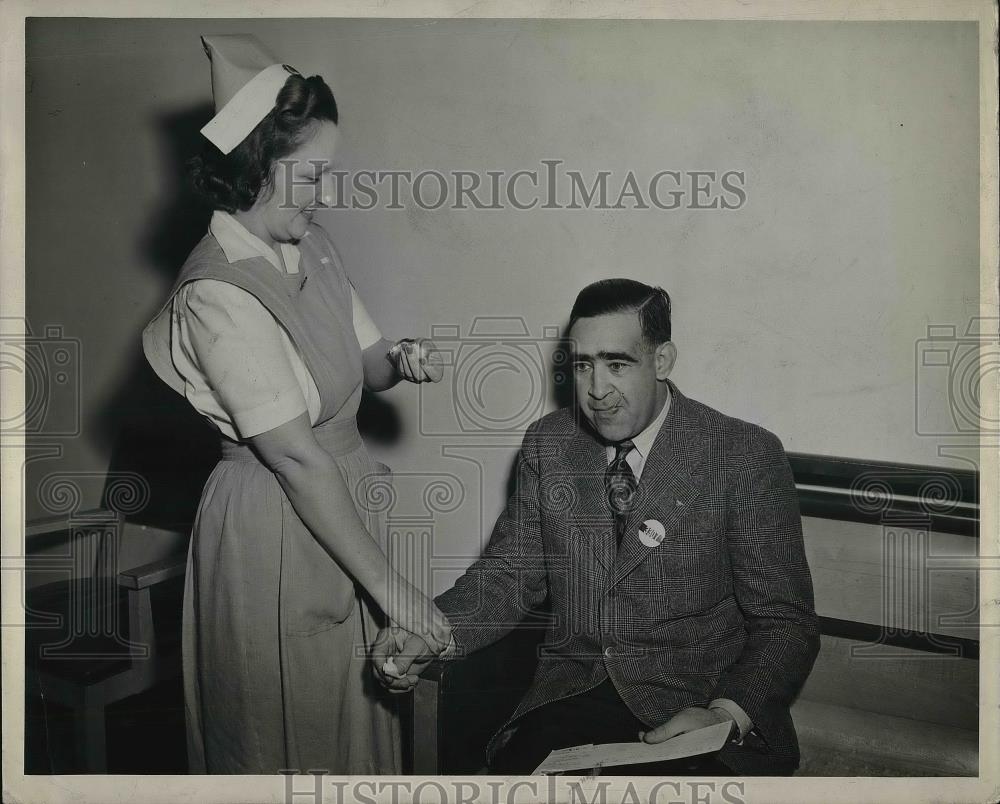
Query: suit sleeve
pixel 509 580
pixel 772 585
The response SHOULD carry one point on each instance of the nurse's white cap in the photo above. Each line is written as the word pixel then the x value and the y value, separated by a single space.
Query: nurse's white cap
pixel 246 80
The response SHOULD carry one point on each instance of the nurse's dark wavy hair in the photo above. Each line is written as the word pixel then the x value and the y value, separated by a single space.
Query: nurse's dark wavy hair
pixel 627 296
pixel 233 181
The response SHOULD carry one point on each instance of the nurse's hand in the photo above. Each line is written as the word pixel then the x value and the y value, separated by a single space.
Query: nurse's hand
pixel 417 360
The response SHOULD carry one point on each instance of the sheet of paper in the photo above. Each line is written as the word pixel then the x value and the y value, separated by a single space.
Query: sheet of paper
pixel 563 759
pixel 584 757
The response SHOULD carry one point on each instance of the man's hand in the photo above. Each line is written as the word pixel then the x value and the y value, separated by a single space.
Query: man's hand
pixel 398 658
pixel 690 719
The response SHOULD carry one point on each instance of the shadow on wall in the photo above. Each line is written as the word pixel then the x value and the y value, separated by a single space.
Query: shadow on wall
pixel 182 219
pixel 157 435
pixel 378 420
pixel 154 431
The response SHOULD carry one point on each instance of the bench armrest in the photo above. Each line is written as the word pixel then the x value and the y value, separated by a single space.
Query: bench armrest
pixel 155 572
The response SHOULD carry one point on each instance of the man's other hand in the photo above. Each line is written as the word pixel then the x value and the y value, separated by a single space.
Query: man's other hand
pixel 690 719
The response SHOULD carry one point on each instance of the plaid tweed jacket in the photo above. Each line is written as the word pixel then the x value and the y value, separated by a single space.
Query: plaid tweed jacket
pixel 721 608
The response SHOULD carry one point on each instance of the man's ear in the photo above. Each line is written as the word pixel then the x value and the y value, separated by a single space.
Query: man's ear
pixel 666 355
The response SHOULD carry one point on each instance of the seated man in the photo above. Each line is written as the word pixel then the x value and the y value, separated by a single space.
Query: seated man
pixel 667 539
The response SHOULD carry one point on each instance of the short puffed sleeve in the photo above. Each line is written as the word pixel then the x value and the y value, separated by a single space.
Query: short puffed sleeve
pixel 235 345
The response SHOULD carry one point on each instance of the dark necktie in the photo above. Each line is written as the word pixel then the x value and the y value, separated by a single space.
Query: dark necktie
pixel 620 484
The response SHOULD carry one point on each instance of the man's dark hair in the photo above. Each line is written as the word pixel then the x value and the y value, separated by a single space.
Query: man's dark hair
pixel 627 296
pixel 233 181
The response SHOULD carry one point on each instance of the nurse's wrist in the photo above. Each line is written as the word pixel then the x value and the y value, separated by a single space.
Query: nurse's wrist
pixel 410 609
pixel 387 589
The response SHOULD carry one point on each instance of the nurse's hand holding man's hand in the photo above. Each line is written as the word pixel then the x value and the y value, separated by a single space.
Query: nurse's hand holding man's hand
pixel 417 360
pixel 418 631
pixel 399 657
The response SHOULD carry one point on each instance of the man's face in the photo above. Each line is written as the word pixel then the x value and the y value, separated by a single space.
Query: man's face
pixel 620 381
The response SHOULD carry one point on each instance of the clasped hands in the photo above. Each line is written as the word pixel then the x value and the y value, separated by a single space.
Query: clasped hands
pixel 417 632
pixel 400 656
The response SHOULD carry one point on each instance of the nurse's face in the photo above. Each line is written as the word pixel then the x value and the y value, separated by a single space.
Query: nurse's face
pixel 303 182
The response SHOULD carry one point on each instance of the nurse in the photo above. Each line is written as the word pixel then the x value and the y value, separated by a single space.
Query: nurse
pixel 287 579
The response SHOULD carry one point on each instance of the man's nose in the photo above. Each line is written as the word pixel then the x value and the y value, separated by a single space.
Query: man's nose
pixel 600 385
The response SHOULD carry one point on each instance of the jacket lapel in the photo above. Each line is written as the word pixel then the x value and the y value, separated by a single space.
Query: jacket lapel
pixel 666 485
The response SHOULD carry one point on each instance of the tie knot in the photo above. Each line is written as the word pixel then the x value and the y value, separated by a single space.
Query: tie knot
pixel 623 449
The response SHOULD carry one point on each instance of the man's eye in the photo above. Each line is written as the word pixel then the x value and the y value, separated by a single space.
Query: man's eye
pixel 618 366
pixel 580 368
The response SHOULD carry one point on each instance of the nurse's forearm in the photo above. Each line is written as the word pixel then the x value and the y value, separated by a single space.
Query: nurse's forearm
pixel 380 372
pixel 319 495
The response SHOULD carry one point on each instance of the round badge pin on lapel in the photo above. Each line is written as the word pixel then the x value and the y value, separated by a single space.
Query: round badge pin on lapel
pixel 651 533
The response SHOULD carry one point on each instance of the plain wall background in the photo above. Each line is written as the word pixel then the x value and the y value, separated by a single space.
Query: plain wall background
pixel 801 311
